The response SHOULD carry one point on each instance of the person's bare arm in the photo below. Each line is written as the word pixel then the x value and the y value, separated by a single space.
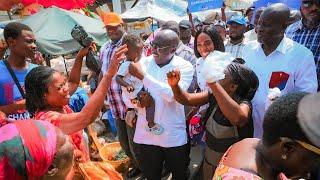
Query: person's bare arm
pixel 237 114
pixel 75 74
pixel 11 108
pixel 193 29
pixel 121 81
pixel 71 123
pixel 223 13
pixel 183 97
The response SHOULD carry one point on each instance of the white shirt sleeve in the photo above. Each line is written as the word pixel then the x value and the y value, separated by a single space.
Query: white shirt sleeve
pixel 306 76
pixel 162 89
pixel 124 68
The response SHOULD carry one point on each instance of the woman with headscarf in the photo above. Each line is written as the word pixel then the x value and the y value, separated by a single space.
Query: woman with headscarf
pixel 228 118
pixel 287 149
pixel 34 150
pixel 48 94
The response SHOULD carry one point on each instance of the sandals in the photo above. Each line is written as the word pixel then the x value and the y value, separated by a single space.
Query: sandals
pixel 157 129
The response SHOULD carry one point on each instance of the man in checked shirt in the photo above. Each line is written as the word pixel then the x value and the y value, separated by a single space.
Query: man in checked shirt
pixel 307 30
pixel 115 31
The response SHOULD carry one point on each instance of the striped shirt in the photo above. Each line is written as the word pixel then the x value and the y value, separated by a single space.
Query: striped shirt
pixel 235 49
pixel 186 53
pixel 114 94
pixel 220 133
pixel 310 38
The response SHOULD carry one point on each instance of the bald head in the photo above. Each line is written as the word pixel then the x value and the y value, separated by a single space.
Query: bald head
pixel 272 24
pixel 167 37
pixel 278 13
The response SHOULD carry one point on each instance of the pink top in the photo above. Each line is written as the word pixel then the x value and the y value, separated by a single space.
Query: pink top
pixel 224 172
pixel 55 118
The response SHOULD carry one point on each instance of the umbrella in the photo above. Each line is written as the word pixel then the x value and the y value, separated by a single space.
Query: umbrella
pixel 64 4
pixel 52 27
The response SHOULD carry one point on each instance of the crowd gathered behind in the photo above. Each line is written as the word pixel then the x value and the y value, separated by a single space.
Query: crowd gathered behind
pixel 244 90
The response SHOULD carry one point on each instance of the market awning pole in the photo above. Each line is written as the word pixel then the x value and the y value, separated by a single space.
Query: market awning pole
pixel 116 6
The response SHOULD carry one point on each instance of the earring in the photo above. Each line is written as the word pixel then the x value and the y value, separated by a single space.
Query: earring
pixel 284 157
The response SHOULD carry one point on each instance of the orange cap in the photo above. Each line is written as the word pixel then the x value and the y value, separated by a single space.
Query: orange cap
pixel 111 19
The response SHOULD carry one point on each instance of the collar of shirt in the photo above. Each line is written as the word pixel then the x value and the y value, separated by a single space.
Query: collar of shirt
pixel 284 45
pixel 228 42
pixel 299 26
pixel 182 47
pixel 112 44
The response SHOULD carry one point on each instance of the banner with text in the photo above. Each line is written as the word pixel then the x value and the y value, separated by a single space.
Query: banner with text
pixel 294 4
pixel 202 5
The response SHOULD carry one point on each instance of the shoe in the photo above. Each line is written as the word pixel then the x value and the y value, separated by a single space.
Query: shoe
pixel 133 172
pixel 157 129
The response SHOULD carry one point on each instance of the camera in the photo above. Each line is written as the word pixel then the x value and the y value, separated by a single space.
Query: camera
pixel 81 36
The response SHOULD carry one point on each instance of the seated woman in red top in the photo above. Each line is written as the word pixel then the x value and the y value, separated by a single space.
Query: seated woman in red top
pixel 284 151
pixel 48 93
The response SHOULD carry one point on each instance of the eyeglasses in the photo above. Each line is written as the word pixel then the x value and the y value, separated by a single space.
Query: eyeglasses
pixel 309 3
pixel 157 48
pixel 305 145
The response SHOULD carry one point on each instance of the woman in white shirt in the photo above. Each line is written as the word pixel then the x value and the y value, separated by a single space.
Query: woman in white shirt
pixel 206 41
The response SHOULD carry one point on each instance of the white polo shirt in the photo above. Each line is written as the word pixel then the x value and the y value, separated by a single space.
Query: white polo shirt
pixel 168 112
pixel 290 67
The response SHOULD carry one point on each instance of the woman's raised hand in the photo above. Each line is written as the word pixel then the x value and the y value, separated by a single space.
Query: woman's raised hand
pixel 118 56
pixel 173 77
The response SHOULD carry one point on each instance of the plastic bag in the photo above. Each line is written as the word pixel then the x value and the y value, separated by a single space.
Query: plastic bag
pixel 214 66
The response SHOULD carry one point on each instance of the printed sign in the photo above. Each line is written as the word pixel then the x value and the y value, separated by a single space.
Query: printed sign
pixel 294 4
pixel 202 5
pixel 238 4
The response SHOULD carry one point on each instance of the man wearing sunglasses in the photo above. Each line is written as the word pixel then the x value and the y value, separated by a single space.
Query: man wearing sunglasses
pixel 307 30
pixel 171 145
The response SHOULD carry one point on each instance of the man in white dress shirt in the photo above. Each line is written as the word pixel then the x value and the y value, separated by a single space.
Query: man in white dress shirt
pixel 171 145
pixel 278 62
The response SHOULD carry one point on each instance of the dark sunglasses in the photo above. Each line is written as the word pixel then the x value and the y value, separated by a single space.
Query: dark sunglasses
pixel 309 4
pixel 157 47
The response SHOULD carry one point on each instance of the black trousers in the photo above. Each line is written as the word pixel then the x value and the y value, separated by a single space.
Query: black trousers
pixel 151 159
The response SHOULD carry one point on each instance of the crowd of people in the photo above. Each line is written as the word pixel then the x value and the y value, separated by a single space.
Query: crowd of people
pixel 243 89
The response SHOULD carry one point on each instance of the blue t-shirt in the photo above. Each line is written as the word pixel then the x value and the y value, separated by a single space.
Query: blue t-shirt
pixel 9 92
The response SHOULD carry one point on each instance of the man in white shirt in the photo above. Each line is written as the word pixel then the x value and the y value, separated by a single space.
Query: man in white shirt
pixel 171 145
pixel 278 62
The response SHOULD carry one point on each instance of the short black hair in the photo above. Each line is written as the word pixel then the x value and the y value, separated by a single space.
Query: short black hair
pixel 281 119
pixel 36 85
pixel 131 40
pixel 13 30
pixel 214 36
pixel 172 25
pixel 246 80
